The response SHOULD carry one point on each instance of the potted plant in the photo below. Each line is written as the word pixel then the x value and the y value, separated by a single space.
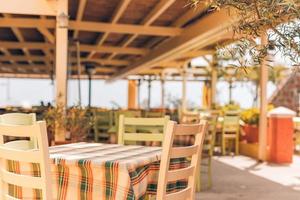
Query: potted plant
pixel 78 123
pixel 54 117
pixel 251 119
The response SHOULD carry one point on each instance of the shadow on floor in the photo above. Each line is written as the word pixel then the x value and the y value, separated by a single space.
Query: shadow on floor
pixel 230 183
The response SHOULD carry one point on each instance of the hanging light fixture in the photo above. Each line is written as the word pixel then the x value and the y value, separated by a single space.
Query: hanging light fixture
pixel 63 20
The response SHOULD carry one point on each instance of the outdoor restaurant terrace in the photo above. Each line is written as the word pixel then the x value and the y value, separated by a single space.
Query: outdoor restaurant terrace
pixel 176 150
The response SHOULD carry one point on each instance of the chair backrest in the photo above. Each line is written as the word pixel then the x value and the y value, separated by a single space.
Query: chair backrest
pixel 231 122
pixel 126 113
pixel 147 124
pixel 189 117
pixel 170 152
pixel 38 155
pixel 209 141
pixel 20 119
pixel 103 119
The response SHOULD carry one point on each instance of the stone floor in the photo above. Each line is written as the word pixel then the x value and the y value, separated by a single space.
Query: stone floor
pixel 242 178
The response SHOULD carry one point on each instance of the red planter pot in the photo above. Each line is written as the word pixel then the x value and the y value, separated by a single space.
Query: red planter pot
pixel 251 132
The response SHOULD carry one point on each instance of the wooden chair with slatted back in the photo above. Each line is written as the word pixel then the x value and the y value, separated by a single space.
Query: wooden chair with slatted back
pixel 231 130
pixel 154 130
pixel 103 121
pixel 37 155
pixel 207 152
pixel 170 152
pixel 20 119
pixel 189 117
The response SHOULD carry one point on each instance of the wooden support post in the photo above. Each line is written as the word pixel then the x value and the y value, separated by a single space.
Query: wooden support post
pixel 139 93
pixel 263 105
pixel 214 79
pixel 61 58
pixel 61 53
pixel 132 94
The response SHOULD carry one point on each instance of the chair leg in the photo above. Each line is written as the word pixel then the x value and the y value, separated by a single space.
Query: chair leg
pixel 209 174
pixel 237 145
pixel 223 146
pixel 96 136
pixel 198 180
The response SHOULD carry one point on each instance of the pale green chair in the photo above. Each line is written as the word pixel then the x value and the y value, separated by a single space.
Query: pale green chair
pixel 103 121
pixel 113 131
pixel 207 152
pixel 231 131
pixel 19 119
pixel 131 130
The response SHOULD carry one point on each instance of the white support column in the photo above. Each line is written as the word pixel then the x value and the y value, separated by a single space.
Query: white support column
pixel 61 52
pixel 184 80
pixel 162 85
pixel 61 59
pixel 263 123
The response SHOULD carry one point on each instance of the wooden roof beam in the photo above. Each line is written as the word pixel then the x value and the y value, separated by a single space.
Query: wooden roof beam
pixel 83 47
pixel 92 26
pixel 149 19
pixel 29 7
pixel 198 35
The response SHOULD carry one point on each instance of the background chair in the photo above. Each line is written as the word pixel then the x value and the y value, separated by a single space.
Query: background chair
pixel 38 156
pixel 207 152
pixel 169 152
pixel 231 130
pixel 148 130
pixel 19 119
pixel 103 121
pixel 188 117
pixel 113 131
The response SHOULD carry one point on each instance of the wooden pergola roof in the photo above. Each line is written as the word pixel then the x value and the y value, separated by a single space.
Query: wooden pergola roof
pixel 124 37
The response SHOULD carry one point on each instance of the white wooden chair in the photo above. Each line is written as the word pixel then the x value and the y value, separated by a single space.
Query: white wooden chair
pixel 152 130
pixel 19 119
pixel 169 152
pixel 38 155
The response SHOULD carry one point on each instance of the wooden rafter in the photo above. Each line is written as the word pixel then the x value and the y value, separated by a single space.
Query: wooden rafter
pixel 28 7
pixel 83 48
pixel 198 35
pixel 116 16
pixel 92 26
pixel 149 19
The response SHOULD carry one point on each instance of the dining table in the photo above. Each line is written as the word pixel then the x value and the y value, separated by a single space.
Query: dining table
pixel 86 171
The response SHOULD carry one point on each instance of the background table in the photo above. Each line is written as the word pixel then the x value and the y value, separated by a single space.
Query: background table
pixel 100 171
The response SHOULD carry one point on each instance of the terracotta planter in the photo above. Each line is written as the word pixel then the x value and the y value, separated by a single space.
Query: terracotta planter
pixel 251 132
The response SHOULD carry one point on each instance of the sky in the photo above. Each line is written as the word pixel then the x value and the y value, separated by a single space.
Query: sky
pixel 28 92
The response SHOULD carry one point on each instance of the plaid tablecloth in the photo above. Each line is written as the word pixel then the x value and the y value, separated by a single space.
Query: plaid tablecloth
pixel 99 171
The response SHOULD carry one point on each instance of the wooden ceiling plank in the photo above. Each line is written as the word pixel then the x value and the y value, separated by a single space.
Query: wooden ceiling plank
pixel 92 26
pixel 41 7
pixel 202 32
pixel 116 16
pixel 162 6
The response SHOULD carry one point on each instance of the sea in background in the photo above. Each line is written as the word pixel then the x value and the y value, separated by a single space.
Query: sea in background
pixel 29 92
